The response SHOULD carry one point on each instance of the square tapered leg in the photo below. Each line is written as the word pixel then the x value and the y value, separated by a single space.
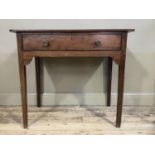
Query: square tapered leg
pixel 22 72
pixel 109 79
pixel 38 80
pixel 121 70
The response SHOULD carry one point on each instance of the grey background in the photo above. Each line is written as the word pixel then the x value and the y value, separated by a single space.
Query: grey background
pixel 79 76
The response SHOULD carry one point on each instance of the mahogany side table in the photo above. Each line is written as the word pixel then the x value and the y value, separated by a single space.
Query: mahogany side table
pixel 110 43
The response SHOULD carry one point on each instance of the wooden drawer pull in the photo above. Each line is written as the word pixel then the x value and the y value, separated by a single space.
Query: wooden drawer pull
pixel 97 43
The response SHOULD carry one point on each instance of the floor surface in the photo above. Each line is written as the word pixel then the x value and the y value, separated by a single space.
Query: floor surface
pixel 78 120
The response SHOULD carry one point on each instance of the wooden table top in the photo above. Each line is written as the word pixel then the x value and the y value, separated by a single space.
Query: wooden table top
pixel 69 30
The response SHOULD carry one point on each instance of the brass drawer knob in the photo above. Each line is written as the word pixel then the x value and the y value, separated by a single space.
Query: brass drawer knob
pixel 45 44
pixel 97 43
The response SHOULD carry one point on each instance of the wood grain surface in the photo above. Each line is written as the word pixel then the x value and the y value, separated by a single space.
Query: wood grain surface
pixel 109 43
pixel 80 41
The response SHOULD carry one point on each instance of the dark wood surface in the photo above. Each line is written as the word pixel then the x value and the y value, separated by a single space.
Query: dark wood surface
pixel 23 83
pixel 109 79
pixel 110 43
pixel 69 30
pixel 38 80
pixel 80 41
pixel 121 70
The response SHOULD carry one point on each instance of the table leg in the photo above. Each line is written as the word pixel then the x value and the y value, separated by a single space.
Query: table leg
pixel 38 80
pixel 109 79
pixel 120 92
pixel 22 72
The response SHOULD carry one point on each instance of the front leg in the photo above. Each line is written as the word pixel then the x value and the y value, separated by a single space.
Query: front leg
pixel 120 91
pixel 23 85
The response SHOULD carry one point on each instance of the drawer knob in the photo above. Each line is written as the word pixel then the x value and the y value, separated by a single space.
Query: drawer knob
pixel 97 43
pixel 45 44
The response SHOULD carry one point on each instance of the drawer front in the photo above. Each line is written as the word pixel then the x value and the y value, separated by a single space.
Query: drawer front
pixel 59 42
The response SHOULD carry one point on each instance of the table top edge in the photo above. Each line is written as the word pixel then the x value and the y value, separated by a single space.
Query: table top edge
pixel 68 30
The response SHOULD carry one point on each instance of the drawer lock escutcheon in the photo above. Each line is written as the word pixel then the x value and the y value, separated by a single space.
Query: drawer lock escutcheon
pixel 45 44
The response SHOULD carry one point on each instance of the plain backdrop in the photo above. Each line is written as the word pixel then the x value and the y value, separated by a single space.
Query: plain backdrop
pixel 80 80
